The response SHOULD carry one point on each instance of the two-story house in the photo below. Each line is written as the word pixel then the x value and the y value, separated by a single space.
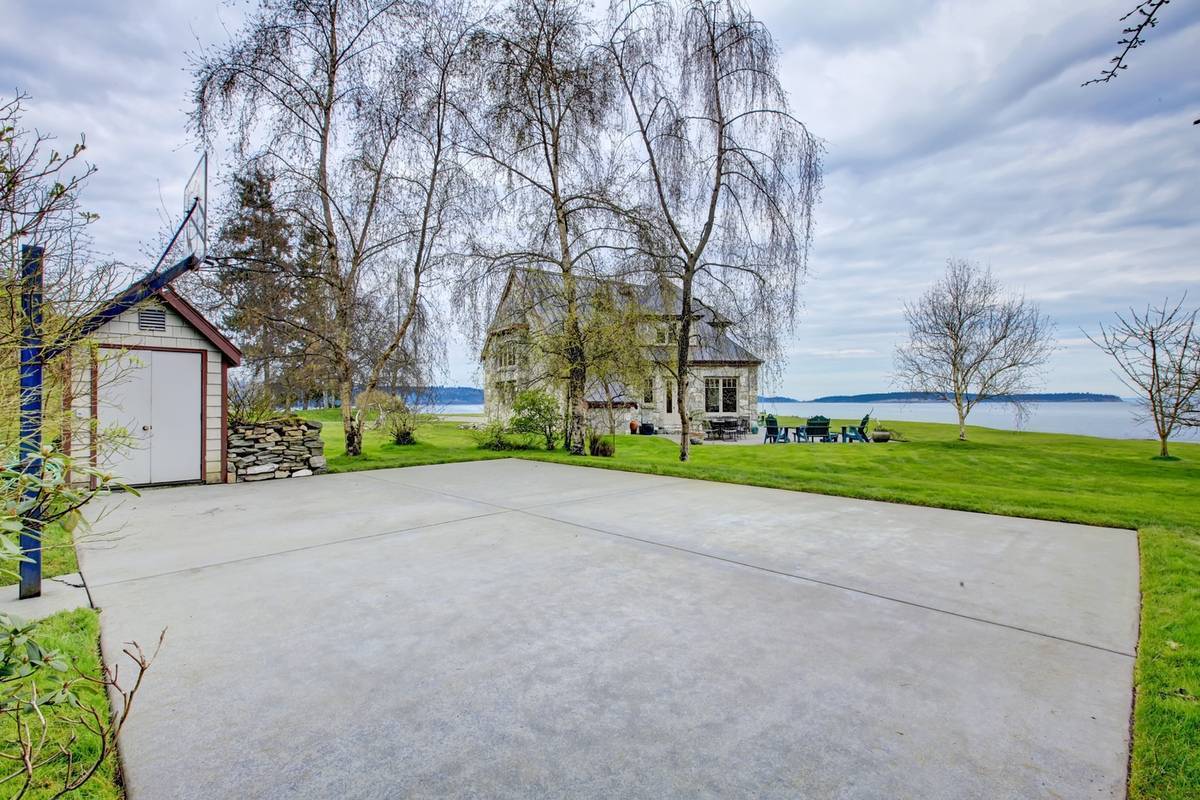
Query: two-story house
pixel 723 376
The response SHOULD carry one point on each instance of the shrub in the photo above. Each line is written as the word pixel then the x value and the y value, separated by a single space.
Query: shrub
pixel 497 436
pixel 401 421
pixel 601 445
pixel 536 412
pixel 249 402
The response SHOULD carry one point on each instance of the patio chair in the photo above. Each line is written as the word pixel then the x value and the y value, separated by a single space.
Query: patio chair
pixel 743 428
pixel 771 432
pixel 858 433
pixel 817 428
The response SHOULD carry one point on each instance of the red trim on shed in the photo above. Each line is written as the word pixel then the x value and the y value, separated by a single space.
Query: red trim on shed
pixel 203 326
pixel 225 422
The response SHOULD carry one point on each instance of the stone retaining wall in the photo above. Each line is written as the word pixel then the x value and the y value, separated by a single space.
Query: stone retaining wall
pixel 278 448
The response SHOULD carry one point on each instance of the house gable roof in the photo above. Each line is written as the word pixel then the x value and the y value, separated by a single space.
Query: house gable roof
pixel 527 290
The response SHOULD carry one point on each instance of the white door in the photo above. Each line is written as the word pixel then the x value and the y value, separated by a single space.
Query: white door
pixel 174 417
pixel 154 398
pixel 123 413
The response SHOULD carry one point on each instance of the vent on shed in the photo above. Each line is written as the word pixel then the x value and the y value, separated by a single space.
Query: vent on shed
pixel 152 319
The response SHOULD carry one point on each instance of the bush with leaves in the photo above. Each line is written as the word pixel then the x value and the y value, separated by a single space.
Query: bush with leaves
pixel 498 436
pixel 537 412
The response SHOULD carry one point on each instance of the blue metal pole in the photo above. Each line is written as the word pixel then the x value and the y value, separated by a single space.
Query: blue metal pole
pixel 31 415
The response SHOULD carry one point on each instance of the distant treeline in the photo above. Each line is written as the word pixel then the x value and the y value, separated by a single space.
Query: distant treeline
pixel 442 395
pixel 933 397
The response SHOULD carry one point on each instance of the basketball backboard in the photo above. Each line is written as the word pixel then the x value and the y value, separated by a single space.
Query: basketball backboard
pixel 195 232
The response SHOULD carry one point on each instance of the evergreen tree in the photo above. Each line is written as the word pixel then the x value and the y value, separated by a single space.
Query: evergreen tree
pixel 255 247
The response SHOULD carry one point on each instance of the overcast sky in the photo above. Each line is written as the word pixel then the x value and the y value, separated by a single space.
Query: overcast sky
pixel 952 129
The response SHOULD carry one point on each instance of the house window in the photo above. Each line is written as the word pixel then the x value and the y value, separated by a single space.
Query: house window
pixel 665 334
pixel 729 394
pixel 720 395
pixel 670 404
pixel 507 356
pixel 648 392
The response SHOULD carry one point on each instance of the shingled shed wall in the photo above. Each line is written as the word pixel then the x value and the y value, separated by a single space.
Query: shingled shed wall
pixel 282 448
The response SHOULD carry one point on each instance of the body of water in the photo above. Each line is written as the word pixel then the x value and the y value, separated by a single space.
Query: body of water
pixel 1109 420
pixel 473 408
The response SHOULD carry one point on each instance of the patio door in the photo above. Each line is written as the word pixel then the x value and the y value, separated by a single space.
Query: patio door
pixel 151 399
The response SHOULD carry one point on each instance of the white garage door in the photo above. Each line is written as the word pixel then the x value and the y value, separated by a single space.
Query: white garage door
pixel 153 398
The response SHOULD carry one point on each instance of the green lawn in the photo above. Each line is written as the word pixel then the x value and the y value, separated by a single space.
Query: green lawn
pixel 438 443
pixel 58 556
pixel 1045 476
pixel 75 634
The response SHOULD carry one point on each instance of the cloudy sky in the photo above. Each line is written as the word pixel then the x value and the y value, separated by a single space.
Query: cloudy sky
pixel 955 128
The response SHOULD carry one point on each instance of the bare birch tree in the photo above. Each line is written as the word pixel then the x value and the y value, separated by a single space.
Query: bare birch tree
pixel 547 134
pixel 732 176
pixel 970 342
pixel 1158 357
pixel 346 103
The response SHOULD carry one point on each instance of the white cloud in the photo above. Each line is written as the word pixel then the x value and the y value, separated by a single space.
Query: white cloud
pixel 953 129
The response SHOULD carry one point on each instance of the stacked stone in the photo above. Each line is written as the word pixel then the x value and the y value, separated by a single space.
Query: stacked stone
pixel 280 448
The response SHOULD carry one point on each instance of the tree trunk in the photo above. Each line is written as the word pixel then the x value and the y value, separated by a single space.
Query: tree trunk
pixel 962 421
pixel 682 364
pixel 1162 447
pixel 685 428
pixel 350 430
pixel 577 404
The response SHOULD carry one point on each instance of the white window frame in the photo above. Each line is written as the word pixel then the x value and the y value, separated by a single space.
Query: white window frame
pixel 721 384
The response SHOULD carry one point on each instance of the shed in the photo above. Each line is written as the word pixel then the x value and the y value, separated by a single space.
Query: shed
pixel 158 378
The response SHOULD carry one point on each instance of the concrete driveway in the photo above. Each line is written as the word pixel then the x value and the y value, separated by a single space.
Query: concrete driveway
pixel 522 629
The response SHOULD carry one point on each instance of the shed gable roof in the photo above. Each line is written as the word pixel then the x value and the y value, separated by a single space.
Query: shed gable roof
pixel 201 325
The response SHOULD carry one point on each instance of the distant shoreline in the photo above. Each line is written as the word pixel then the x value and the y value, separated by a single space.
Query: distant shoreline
pixel 927 397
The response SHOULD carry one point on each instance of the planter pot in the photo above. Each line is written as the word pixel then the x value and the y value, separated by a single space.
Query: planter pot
pixel 881 436
pixel 633 426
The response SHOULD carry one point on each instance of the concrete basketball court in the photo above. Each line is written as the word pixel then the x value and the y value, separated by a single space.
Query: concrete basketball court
pixel 513 629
